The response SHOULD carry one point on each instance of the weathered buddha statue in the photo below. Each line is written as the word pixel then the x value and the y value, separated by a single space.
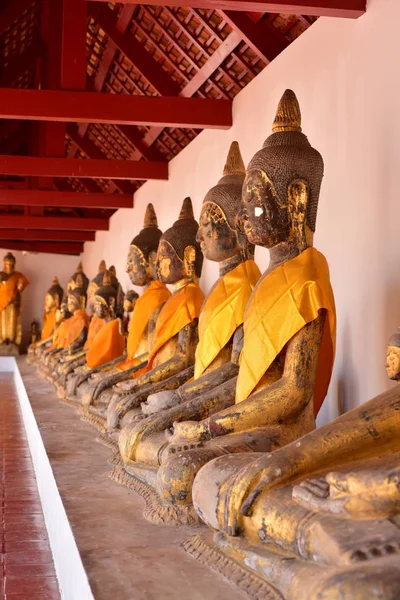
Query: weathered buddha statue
pixel 106 344
pixel 220 323
pixel 289 325
pixel 141 268
pixel 320 517
pixel 75 330
pixel 94 284
pixel 78 279
pixel 179 263
pixel 12 284
pixel 130 300
pixel 34 333
pixel 58 341
pixel 52 303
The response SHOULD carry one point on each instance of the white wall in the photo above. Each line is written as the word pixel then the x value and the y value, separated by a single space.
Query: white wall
pixel 347 77
pixel 40 270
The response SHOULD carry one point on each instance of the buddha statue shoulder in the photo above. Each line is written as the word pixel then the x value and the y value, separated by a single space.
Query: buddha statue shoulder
pixel 284 372
pixel 175 336
pixel 12 284
pixel 52 303
pixel 220 327
pixel 322 514
pixel 94 386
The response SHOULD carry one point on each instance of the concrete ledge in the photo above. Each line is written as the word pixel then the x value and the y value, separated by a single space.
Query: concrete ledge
pixel 72 578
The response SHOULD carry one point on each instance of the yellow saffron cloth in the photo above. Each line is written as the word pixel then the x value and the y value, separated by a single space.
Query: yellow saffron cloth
pixel 223 312
pixel 9 288
pixel 282 304
pixel 75 325
pixel 49 322
pixel 108 344
pixel 95 325
pixel 156 294
pixel 180 310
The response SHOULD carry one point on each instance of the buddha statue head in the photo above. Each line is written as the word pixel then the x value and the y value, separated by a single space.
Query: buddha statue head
pixel 130 301
pixel 282 185
pixel 141 262
pixel 34 332
pixel 53 296
pixel 77 296
pixel 105 298
pixel 9 263
pixel 78 279
pixel 95 283
pixel 179 256
pixel 219 231
pixel 393 357
pixel 63 312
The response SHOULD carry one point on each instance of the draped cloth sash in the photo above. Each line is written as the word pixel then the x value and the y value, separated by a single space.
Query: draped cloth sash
pixel 95 326
pixel 156 294
pixel 9 288
pixel 180 310
pixel 75 326
pixel 59 337
pixel 223 312
pixel 49 322
pixel 286 300
pixel 108 344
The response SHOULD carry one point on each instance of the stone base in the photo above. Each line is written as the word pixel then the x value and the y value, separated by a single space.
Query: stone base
pixel 9 349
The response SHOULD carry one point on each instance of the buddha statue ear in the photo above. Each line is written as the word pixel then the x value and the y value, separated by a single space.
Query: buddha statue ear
pixel 189 260
pixel 298 194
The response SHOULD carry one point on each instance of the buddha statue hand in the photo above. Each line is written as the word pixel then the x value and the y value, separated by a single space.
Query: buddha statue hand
pixel 125 387
pixel 180 434
pixel 157 402
pixel 316 494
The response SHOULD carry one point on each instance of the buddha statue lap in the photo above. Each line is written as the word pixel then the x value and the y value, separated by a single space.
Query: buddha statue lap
pixel 94 387
pixel 12 284
pixel 220 324
pixel 284 371
pixel 52 303
pixel 108 342
pixel 170 362
pixel 319 518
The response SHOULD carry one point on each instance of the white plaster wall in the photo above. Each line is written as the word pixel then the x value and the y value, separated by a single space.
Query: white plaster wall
pixel 347 77
pixel 40 269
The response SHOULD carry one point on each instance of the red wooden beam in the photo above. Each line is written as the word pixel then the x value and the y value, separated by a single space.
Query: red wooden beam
pixel 351 9
pixel 89 107
pixel 47 235
pixel 66 199
pixel 81 168
pixel 56 223
pixel 73 45
pixel 47 247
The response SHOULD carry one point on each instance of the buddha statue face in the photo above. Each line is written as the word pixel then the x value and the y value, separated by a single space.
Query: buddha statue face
pixel 129 304
pixel 170 267
pixel 140 270
pixel 49 303
pixel 72 304
pixel 217 240
pixel 9 264
pixel 100 307
pixel 393 362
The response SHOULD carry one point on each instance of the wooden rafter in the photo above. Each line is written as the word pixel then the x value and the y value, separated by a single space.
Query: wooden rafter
pixel 65 199
pixel 47 247
pixel 55 223
pixel 47 235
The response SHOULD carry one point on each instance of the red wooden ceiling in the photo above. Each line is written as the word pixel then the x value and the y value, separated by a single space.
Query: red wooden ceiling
pixel 124 49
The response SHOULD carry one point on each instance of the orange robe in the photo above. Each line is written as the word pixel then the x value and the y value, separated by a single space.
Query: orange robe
pixel 95 326
pixel 75 326
pixel 49 322
pixel 156 294
pixel 286 300
pixel 108 344
pixel 9 289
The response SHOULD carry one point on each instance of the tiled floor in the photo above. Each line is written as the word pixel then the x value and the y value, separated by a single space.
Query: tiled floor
pixel 27 570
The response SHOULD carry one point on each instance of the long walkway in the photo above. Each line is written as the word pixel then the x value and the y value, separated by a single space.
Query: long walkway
pixel 27 570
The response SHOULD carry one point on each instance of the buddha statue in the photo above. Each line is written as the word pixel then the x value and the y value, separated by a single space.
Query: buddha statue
pixel 52 303
pixel 220 324
pixel 130 300
pixel 141 268
pixel 12 284
pixel 320 517
pixel 58 340
pixel 34 333
pixel 78 279
pixel 179 263
pixel 288 332
pixel 107 341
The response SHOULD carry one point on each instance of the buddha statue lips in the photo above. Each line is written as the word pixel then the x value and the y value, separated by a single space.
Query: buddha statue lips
pixel 288 341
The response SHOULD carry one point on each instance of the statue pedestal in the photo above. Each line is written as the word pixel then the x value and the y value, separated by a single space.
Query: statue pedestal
pixel 10 349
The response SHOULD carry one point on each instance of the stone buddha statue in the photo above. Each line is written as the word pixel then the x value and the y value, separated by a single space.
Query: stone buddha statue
pixel 107 341
pixel 12 284
pixel 220 326
pixel 96 384
pixel 179 263
pixel 78 279
pixel 58 340
pixel 97 281
pixel 34 333
pixel 289 324
pixel 320 517
pixel 52 303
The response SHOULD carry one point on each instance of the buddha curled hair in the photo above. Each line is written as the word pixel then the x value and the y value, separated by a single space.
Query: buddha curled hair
pixel 287 155
pixel 227 194
pixel 183 234
pixel 148 238
pixel 394 340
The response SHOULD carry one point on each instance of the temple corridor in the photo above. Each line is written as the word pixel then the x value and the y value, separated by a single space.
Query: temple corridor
pixel 26 560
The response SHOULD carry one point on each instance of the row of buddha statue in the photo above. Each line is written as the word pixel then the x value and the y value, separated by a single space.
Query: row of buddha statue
pixel 210 402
